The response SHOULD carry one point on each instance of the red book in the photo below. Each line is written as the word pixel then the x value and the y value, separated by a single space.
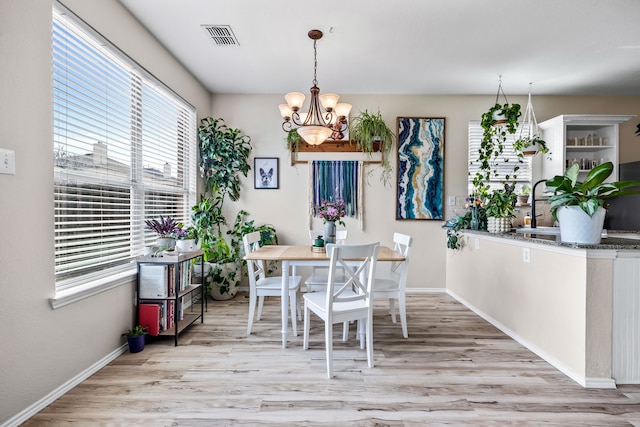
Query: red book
pixel 150 317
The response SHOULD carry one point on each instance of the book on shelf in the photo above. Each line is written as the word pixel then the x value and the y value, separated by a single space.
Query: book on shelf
pixel 149 317
pixel 153 281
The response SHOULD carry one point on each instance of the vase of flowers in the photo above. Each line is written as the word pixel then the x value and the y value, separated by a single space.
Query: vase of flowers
pixel 331 212
pixel 474 204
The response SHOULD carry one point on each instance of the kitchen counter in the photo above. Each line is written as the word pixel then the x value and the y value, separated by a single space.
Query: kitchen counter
pixel 613 241
pixel 575 306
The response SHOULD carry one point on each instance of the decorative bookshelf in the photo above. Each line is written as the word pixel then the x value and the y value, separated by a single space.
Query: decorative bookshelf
pixel 163 286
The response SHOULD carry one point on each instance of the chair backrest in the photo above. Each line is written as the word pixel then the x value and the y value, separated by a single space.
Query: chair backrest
pixel 255 268
pixel 359 280
pixel 341 235
pixel 399 270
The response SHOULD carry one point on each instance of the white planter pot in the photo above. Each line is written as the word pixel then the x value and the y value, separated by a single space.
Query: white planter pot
pixel 187 245
pixel 166 242
pixel 577 227
pixel 226 271
pixel 531 150
pixel 498 225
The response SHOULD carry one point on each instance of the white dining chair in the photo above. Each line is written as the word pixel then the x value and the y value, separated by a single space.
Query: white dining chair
pixel 391 283
pixel 320 274
pixel 349 301
pixel 261 286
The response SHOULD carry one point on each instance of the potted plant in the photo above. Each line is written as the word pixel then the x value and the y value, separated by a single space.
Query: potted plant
pixel 165 228
pixel 530 145
pixel 579 207
pixel 498 122
pixel 135 338
pixel 523 195
pixel 370 133
pixel 499 210
pixel 186 239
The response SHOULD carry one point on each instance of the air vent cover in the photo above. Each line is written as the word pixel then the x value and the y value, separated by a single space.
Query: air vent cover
pixel 222 35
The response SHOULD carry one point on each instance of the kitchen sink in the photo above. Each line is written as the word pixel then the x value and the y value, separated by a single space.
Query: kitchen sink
pixel 539 230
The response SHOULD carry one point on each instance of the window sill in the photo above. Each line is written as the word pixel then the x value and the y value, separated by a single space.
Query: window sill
pixel 87 290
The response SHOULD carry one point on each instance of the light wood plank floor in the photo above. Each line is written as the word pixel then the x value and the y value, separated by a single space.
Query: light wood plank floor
pixel 455 369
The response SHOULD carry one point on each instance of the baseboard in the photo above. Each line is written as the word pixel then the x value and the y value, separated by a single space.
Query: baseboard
pixel 580 379
pixel 64 388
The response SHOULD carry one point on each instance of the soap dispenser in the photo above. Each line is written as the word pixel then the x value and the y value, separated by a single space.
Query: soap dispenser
pixel 527 220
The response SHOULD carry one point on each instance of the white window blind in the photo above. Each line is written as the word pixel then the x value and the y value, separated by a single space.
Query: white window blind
pixel 505 164
pixel 124 151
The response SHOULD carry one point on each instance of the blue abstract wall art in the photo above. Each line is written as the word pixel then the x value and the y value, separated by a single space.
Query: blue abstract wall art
pixel 420 168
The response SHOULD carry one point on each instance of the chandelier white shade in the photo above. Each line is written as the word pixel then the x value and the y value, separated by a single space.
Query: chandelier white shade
pixel 325 117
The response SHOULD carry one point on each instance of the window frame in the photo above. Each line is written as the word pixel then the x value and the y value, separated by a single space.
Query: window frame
pixel 148 191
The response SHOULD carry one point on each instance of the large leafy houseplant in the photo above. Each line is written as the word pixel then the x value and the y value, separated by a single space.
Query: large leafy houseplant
pixel 370 133
pixel 589 194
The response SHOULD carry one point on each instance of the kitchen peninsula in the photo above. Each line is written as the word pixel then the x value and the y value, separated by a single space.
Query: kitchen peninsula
pixel 576 306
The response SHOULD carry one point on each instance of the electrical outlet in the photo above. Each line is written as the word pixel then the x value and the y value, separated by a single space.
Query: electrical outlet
pixel 526 255
pixel 7 161
pixel 452 200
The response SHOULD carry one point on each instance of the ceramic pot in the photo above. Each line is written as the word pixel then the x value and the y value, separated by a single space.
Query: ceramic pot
pixel 329 232
pixel 498 225
pixel 136 344
pixel 166 242
pixel 578 227
pixel 186 245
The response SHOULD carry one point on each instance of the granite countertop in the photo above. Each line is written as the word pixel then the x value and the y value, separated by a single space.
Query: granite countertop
pixel 610 242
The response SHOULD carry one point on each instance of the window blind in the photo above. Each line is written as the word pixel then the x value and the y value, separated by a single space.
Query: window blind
pixel 504 165
pixel 124 151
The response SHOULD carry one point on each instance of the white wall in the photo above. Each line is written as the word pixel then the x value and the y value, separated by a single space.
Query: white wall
pixel 286 208
pixel 43 348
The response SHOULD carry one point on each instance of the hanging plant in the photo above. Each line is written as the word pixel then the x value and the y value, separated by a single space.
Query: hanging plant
pixel 529 141
pixel 497 123
pixel 369 131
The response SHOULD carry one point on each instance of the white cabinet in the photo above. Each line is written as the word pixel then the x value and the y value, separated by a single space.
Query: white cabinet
pixel 586 139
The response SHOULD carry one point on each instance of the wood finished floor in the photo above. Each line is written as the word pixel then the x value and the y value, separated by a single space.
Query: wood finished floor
pixel 455 369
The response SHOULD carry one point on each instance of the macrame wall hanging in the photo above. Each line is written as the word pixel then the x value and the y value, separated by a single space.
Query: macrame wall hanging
pixel 333 180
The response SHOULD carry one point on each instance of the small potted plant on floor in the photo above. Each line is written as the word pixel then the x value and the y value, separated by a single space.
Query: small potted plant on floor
pixel 579 207
pixel 135 338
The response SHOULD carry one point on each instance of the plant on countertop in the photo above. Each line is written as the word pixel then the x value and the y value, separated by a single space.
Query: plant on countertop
pixel 589 194
pixel 500 203
pixel 368 130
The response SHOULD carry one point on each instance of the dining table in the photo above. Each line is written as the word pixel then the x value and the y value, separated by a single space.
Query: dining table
pixel 292 256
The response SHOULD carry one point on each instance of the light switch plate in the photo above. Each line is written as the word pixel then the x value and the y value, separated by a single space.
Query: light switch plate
pixel 7 161
pixel 452 200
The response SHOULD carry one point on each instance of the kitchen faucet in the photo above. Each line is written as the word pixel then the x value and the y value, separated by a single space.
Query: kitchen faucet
pixel 533 203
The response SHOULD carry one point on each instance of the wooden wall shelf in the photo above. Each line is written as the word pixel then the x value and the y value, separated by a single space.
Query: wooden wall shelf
pixel 330 147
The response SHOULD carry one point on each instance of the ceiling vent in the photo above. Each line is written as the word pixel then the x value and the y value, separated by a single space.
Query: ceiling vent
pixel 222 35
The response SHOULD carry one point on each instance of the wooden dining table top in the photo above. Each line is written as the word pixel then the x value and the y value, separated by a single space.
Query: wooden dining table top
pixel 306 253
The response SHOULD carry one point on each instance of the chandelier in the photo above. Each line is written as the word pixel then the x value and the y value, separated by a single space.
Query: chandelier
pixel 325 118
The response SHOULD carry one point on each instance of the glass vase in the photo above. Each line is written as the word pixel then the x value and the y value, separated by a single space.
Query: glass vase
pixel 475 222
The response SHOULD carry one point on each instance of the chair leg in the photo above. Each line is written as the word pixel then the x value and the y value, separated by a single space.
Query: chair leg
pixel 305 340
pixel 403 315
pixel 252 312
pixel 392 309
pixel 293 304
pixel 328 338
pixel 345 332
pixel 369 339
pixel 362 332
pixel 260 304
